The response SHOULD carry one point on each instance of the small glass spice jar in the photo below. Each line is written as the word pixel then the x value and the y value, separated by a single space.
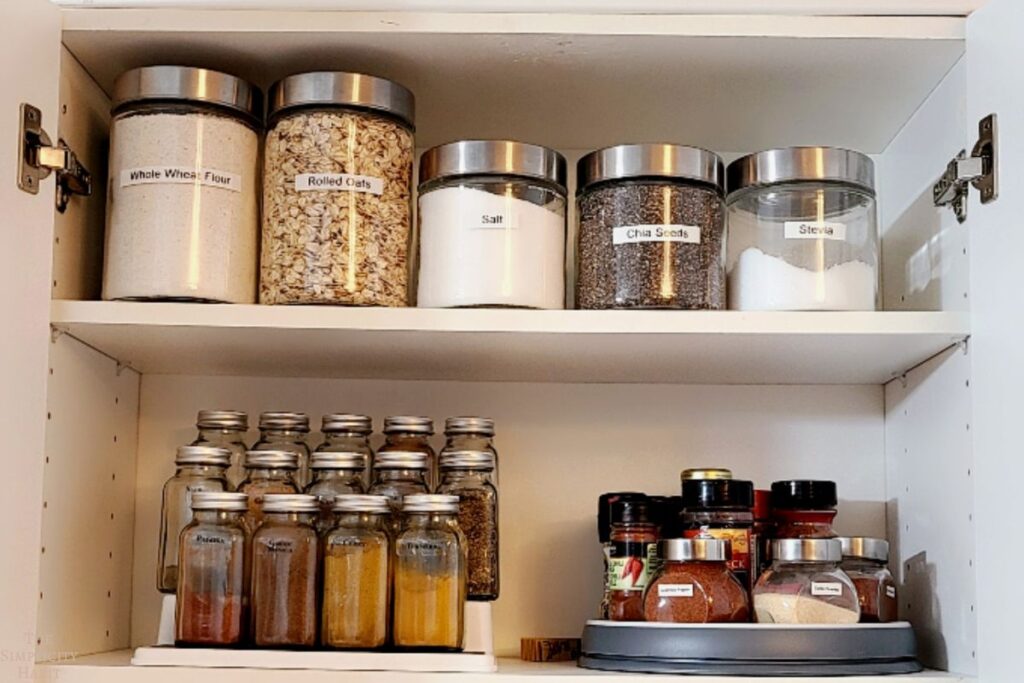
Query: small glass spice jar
pixel 267 472
pixel 285 431
pixel 211 586
pixel 694 584
pixel 631 558
pixel 334 474
pixel 356 577
pixel 492 225
pixel 225 429
pixel 430 575
pixel 467 433
pixel 865 561
pixel 651 228
pixel 197 468
pixel 805 585
pixel 722 508
pixel 469 475
pixel 397 474
pixel 804 508
pixel 411 434
pixel 347 433
pixel 285 561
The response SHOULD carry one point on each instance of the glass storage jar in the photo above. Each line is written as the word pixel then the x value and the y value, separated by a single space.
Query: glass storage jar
pixel 722 508
pixel 357 569
pixel 266 472
pixel 285 560
pixel 197 468
pixel 225 429
pixel 397 474
pixel 632 557
pixel 803 231
pixel 651 228
pixel 347 433
pixel 209 610
pixel 694 584
pixel 411 434
pixel 334 474
pixel 804 508
pixel 337 191
pixel 469 475
pixel 430 575
pixel 183 186
pixel 469 433
pixel 805 585
pixel 865 561
pixel 492 225
pixel 284 431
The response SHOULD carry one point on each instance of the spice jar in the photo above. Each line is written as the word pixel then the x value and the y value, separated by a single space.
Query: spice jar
pixel 211 585
pixel 865 562
pixel 410 434
pixel 197 468
pixel 722 508
pixel 225 429
pixel 804 508
pixel 284 573
pixel 470 434
pixel 182 207
pixel 605 502
pixel 763 533
pixel 357 559
pixel 334 474
pixel 468 475
pixel 266 472
pixel 633 552
pixel 347 433
pixel 805 585
pixel 803 231
pixel 430 575
pixel 283 431
pixel 337 187
pixel 651 228
pixel 694 584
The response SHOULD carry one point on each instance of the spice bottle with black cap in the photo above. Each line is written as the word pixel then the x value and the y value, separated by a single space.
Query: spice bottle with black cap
pixel 804 508
pixel 631 556
pixel 722 508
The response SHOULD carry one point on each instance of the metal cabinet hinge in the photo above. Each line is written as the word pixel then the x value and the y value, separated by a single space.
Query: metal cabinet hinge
pixel 981 170
pixel 39 157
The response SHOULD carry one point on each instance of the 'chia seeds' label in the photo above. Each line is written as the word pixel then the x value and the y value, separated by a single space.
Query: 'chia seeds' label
pixel 821 588
pixel 814 230
pixel 305 182
pixel 634 234
pixel 181 175
pixel 629 565
pixel 675 590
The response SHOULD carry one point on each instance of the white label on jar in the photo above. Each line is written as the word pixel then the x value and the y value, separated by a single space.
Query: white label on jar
pixel 829 589
pixel 675 590
pixel 633 234
pixel 305 182
pixel 181 175
pixel 494 221
pixel 890 591
pixel 814 230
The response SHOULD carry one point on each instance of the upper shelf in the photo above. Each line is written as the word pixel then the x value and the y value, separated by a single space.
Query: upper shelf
pixel 690 347
pixel 572 81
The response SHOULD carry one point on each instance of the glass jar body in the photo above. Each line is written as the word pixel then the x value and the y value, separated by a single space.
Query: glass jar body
pixel 356 578
pixel 327 485
pixel 471 441
pixel 348 442
pixel 876 589
pixel 176 513
pixel 284 581
pixel 804 523
pixel 478 519
pixel 232 440
pixel 412 442
pixel 728 524
pixel 695 592
pixel 805 593
pixel 396 485
pixel 258 483
pixel 291 440
pixel 632 556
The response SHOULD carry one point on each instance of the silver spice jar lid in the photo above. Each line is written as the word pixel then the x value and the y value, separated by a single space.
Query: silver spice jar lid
pixel 430 502
pixel 290 502
pixel 271 460
pixel 361 503
pixel 469 425
pixel 865 547
pixel 400 460
pixel 651 160
pixel 202 455
pixel 347 422
pixel 413 424
pixel 467 460
pixel 222 419
pixel 220 500
pixel 189 84
pixel 328 460
pixel 295 422
pixel 807 550
pixel 493 157
pixel 796 164
pixel 695 549
pixel 345 89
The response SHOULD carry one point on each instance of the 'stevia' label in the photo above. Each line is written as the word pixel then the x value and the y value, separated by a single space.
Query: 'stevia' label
pixel 500 220
pixel 633 234
pixel 675 590
pixel 305 182
pixel 826 589
pixel 181 175
pixel 814 230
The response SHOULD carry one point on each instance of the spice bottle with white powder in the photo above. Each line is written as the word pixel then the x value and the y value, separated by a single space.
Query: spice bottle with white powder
pixel 805 585
pixel 182 221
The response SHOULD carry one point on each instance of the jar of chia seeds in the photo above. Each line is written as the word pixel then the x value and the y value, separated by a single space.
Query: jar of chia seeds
pixel 651 228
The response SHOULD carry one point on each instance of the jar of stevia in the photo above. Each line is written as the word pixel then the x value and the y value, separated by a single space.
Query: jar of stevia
pixel 865 560
pixel 694 584
pixel 651 228
pixel 492 225
pixel 183 186
pixel 803 232
pixel 805 585
pixel 337 190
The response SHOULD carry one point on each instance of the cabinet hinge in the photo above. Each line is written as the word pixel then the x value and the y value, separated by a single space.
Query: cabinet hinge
pixel 39 157
pixel 981 170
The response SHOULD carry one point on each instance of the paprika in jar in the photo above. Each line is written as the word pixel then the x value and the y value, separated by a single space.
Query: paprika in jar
pixel 865 562
pixel 722 508
pixel 694 584
pixel 633 551
pixel 804 508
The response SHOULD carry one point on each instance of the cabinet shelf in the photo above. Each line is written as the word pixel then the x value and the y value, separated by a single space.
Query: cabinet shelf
pixel 669 347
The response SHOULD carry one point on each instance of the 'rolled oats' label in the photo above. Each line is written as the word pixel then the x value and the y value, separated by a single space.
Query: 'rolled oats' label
pixel 305 182
pixel 181 175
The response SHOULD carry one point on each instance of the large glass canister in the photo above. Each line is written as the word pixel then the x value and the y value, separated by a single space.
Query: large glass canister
pixel 470 476
pixel 651 228
pixel 286 431
pixel 182 195
pixel 267 472
pixel 492 225
pixel 803 231
pixel 225 429
pixel 337 191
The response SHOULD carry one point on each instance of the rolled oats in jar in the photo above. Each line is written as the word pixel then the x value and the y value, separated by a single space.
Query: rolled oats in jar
pixel 337 191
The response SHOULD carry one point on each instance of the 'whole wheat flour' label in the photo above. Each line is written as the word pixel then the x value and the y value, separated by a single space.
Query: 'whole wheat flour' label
pixel 181 175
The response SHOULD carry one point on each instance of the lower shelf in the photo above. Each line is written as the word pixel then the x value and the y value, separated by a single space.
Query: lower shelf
pixel 394 662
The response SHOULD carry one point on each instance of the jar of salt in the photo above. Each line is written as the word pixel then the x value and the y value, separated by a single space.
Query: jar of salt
pixel 803 231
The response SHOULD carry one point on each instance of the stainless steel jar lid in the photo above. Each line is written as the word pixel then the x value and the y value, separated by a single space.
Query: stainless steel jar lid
pixel 695 549
pixel 345 89
pixel 222 419
pixel 795 164
pixel 295 422
pixel 467 460
pixel 430 502
pixel 408 423
pixel 807 550
pixel 202 455
pixel 650 160
pixel 290 502
pixel 865 547
pixel 493 157
pixel 469 425
pixel 326 460
pixel 220 500
pixel 271 460
pixel 347 422
pixel 400 460
pixel 189 84
pixel 359 503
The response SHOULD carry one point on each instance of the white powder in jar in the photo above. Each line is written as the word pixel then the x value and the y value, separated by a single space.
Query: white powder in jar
pixel 760 282
pixel 788 608
pixel 182 208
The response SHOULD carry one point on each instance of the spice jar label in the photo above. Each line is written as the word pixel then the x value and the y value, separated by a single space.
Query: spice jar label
pixel 634 234
pixel 181 175
pixel 629 568
pixel 890 591
pixel 675 590
pixel 305 182
pixel 814 230
pixel 821 588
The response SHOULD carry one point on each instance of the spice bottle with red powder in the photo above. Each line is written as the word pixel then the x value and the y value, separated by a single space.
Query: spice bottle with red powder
pixel 804 508
pixel 865 562
pixel 694 584
pixel 632 552
pixel 722 508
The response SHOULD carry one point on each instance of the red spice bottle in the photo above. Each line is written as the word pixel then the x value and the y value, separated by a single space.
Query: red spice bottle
pixel 722 508
pixel 633 539
pixel 865 562
pixel 694 584
pixel 804 508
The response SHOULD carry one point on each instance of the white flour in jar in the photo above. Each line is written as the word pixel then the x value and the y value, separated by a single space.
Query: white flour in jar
pixel 759 282
pixel 182 208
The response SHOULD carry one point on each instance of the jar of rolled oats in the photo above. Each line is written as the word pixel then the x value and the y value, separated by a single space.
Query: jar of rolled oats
pixel 337 191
